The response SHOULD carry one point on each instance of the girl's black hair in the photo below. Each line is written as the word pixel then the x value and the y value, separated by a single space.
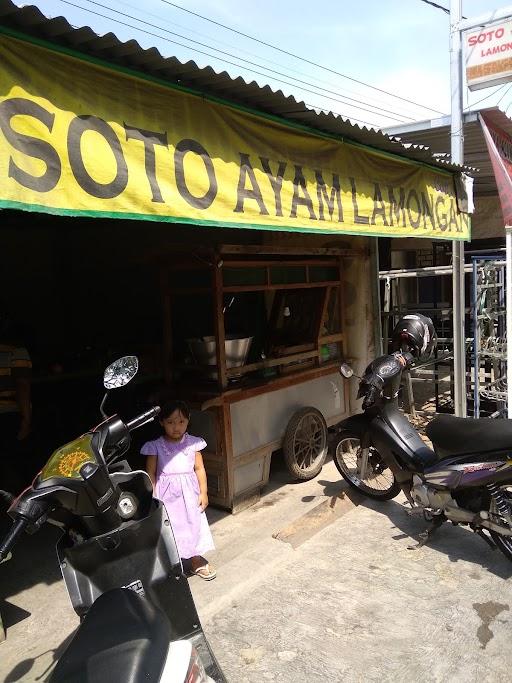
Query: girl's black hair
pixel 168 407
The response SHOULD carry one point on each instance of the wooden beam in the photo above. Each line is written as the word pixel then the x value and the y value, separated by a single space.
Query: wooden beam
pixel 216 463
pixel 333 262
pixel 187 291
pixel 220 332
pixel 329 338
pixel 286 381
pixel 295 348
pixel 292 379
pixel 321 317
pixel 341 303
pixel 269 288
pixel 227 448
pixel 271 363
pixel 265 249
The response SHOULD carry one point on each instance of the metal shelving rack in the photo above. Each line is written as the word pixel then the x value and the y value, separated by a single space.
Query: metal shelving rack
pixel 442 317
pixel 490 342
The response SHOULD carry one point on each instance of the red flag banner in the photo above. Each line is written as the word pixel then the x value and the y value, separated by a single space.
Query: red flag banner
pixel 499 145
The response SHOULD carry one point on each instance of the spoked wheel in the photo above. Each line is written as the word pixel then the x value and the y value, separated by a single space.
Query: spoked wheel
pixel 504 543
pixel 305 443
pixel 364 469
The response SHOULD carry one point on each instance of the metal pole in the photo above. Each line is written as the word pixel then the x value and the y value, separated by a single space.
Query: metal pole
pixel 375 282
pixel 508 303
pixel 476 342
pixel 457 152
pixel 387 308
pixel 410 393
pixel 427 271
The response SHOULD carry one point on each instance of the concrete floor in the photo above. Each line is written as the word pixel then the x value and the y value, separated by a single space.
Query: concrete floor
pixel 313 585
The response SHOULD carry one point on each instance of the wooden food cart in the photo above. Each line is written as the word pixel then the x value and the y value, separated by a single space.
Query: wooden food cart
pixel 289 303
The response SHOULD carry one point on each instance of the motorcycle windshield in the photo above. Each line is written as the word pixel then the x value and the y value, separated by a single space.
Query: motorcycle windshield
pixel 67 461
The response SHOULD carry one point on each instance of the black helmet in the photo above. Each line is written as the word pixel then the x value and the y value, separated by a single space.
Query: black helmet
pixel 415 333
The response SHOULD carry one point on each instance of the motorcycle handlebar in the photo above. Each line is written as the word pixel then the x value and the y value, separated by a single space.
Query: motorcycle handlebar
pixel 370 397
pixel 10 539
pixel 23 516
pixel 142 419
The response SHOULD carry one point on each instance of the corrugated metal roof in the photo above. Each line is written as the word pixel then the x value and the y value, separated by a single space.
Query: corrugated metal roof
pixel 130 54
pixel 435 133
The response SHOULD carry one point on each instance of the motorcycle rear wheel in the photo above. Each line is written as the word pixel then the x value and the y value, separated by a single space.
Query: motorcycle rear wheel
pixel 378 481
pixel 504 543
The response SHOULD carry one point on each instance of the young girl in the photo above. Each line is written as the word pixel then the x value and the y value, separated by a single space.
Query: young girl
pixel 175 465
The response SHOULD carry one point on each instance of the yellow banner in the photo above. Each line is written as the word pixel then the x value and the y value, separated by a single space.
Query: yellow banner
pixel 78 138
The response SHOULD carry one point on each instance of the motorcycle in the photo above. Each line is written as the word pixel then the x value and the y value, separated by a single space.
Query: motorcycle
pixel 118 558
pixel 466 479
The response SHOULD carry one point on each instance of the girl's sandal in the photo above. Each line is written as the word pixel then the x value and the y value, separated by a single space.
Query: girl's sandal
pixel 205 572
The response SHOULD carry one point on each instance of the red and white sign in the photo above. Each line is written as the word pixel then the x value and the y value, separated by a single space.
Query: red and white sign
pixel 499 145
pixel 488 54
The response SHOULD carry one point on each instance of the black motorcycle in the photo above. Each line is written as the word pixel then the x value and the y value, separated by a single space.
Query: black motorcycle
pixel 466 479
pixel 118 558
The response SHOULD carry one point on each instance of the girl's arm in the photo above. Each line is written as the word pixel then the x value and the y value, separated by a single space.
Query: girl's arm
pixel 201 478
pixel 151 469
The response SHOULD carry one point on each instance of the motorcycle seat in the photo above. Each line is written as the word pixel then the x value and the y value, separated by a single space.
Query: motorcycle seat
pixel 122 638
pixel 453 436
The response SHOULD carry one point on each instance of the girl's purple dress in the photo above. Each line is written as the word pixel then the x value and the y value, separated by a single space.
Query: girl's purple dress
pixel 177 486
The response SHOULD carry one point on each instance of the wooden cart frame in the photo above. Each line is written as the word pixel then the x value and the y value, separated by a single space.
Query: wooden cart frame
pixel 303 366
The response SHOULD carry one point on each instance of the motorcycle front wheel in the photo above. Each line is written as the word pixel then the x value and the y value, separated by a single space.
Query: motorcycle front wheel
pixel 366 472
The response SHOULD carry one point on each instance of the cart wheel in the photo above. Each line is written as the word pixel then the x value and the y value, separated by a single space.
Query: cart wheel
pixel 305 443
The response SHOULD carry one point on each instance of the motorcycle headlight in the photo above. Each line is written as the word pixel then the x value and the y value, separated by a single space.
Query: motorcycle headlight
pixel 67 461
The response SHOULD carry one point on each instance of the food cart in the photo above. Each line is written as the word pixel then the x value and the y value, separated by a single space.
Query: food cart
pixel 259 363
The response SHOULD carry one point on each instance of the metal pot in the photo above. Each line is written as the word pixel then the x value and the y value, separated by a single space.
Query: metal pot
pixel 204 349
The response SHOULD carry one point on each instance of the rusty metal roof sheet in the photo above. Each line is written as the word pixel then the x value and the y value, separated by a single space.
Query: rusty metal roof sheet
pixel 435 133
pixel 30 20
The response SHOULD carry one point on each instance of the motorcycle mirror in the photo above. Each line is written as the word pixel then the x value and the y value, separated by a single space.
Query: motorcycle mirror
pixel 346 370
pixel 6 559
pixel 120 372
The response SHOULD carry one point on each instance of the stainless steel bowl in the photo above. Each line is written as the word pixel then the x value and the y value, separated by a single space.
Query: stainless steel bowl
pixel 204 349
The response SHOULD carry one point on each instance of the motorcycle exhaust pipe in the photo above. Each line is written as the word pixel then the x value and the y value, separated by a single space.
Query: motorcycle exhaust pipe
pixel 457 515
